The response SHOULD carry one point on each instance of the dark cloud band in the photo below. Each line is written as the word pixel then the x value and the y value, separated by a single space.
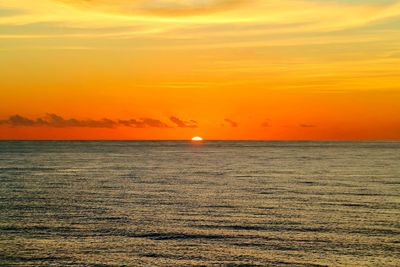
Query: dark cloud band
pixel 54 120
pixel 184 124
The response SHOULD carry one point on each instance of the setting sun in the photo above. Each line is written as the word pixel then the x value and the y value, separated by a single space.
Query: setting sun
pixel 197 139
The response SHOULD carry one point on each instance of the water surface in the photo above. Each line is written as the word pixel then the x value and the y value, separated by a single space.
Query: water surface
pixel 221 203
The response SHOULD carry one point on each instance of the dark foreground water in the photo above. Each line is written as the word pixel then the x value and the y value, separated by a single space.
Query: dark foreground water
pixel 180 204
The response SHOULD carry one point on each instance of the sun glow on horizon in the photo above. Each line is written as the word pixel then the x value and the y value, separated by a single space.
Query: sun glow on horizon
pixel 197 139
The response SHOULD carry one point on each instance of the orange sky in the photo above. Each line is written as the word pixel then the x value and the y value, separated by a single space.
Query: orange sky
pixel 221 69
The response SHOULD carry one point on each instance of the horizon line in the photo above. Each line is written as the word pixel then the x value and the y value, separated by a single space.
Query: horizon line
pixel 212 140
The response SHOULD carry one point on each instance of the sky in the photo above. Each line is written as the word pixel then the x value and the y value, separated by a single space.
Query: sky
pixel 220 69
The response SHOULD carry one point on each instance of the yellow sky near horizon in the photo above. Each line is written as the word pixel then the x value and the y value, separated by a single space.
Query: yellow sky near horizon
pixel 225 69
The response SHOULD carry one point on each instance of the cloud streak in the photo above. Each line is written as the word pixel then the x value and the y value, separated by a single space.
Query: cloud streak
pixel 158 7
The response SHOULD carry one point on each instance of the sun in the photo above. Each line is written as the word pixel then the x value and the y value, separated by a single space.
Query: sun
pixel 197 139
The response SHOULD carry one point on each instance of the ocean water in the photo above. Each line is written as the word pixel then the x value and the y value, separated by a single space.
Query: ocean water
pixel 220 203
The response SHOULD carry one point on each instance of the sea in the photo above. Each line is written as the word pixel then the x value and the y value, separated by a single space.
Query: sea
pixel 215 203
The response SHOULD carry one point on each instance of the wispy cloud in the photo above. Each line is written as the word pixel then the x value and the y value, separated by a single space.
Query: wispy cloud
pixel 304 125
pixel 232 123
pixel 265 124
pixel 184 124
pixel 292 15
